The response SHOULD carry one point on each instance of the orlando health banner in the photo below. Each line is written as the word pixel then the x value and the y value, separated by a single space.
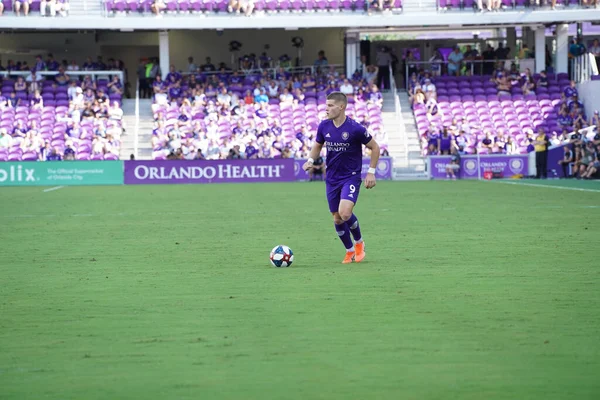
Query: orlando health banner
pixel 48 173
pixel 213 171
pixel 507 165
pixel 383 170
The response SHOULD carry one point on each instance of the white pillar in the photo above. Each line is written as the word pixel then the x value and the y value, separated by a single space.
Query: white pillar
pixel 163 52
pixel 352 52
pixel 562 48
pixel 540 49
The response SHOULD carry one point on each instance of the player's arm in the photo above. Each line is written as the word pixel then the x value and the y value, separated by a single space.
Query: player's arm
pixel 316 149
pixel 314 153
pixel 370 181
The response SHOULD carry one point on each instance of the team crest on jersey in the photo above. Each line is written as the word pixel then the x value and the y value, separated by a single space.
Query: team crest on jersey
pixel 345 135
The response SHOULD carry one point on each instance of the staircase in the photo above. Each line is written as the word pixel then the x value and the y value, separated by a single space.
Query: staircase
pixel 144 148
pixel 87 8
pixel 412 163
pixel 403 142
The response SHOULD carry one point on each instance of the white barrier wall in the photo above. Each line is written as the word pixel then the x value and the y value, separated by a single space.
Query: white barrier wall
pixel 589 93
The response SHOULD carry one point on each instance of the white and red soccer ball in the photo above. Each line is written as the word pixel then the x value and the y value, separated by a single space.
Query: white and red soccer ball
pixel 281 256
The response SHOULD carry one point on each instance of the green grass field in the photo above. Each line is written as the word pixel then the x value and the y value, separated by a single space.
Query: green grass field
pixel 470 290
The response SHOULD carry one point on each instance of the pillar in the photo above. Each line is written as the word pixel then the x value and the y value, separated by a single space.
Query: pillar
pixel 163 52
pixel 352 52
pixel 562 48
pixel 540 49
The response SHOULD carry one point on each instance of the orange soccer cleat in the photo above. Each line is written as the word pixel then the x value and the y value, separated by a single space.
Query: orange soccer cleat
pixel 349 257
pixel 360 251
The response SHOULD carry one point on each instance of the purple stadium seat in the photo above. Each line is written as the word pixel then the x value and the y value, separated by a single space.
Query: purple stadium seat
pixel 171 5
pixel 184 6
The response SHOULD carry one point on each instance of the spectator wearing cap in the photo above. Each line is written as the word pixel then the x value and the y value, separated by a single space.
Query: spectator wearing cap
pixel 429 89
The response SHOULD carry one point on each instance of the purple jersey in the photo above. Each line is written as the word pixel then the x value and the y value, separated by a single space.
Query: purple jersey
pixel 344 148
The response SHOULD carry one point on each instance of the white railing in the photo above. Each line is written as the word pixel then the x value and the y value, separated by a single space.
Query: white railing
pixel 93 74
pixel 137 120
pixel 583 67
pixel 398 111
pixel 272 72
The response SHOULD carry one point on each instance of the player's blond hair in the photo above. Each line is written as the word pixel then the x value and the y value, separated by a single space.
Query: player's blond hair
pixel 338 97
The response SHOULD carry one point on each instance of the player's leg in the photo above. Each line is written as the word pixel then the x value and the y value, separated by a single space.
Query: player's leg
pixel 349 197
pixel 333 198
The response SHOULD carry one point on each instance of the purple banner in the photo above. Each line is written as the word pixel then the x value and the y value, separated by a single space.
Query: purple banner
pixel 217 171
pixel 383 170
pixel 554 156
pixel 507 166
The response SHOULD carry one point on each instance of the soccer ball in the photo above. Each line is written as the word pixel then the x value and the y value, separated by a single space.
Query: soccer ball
pixel 281 256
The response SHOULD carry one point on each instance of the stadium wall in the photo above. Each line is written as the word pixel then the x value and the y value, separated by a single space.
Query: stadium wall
pixel 589 95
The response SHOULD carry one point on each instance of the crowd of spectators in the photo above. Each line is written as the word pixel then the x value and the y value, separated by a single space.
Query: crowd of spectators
pixel 25 7
pixel 212 114
pixel 252 7
pixel 464 134
pixel 58 116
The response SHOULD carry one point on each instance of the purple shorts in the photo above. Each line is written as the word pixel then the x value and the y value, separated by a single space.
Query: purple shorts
pixel 345 190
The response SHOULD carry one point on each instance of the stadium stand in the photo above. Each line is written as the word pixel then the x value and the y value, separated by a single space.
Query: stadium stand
pixel 499 5
pixel 248 7
pixel 254 115
pixel 51 115
pixel 492 118
pixel 49 8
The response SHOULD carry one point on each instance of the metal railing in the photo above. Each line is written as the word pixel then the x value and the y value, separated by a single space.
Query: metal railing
pixel 93 74
pixel 272 72
pixel 475 67
pixel 398 110
pixel 137 120
pixel 583 67
pixel 531 4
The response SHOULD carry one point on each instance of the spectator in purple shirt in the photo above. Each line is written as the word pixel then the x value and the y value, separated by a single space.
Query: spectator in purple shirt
pixel 36 102
pixel 20 85
pixel 39 64
pixel 115 86
pixel 375 96
pixel 175 91
pixel 51 63
pixel 173 75
pixel 571 90
pixel 69 153
pixel 13 101
pixel 53 155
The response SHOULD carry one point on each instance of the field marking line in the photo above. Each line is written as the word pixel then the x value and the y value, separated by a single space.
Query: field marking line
pixel 52 188
pixel 548 186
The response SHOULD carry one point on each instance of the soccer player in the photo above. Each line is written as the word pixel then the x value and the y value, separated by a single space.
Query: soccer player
pixel 343 138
